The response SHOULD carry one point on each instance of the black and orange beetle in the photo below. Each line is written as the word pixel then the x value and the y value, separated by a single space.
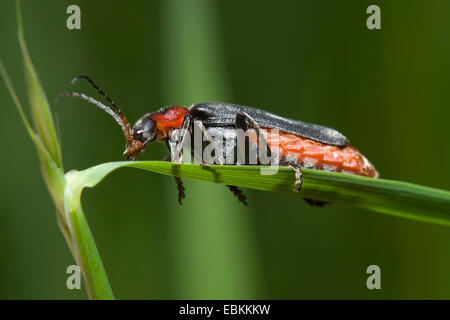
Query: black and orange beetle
pixel 298 144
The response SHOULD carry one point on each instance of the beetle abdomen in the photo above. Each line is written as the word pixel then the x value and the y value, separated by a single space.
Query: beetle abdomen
pixel 315 155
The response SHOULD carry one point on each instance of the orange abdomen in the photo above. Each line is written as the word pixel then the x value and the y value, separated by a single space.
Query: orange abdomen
pixel 316 155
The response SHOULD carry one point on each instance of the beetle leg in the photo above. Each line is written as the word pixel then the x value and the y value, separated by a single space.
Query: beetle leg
pixel 208 138
pixel 181 189
pixel 179 182
pixel 200 125
pixel 243 120
pixel 175 145
pixel 176 142
pixel 298 177
pixel 239 194
pixel 315 203
pixel 236 190
pixel 293 163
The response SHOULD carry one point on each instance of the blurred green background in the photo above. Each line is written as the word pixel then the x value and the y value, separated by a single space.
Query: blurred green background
pixel 387 90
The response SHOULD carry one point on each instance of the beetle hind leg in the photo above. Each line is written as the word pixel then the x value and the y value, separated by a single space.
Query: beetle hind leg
pixel 315 203
pixel 293 163
pixel 298 177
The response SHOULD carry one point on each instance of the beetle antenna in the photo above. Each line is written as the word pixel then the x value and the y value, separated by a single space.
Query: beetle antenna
pixel 118 110
pixel 98 89
pixel 122 121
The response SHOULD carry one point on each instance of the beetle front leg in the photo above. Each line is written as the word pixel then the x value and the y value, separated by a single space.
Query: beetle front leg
pixel 178 181
pixel 175 144
pixel 176 141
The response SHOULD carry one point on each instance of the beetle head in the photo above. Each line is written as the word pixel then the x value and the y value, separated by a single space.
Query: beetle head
pixel 143 132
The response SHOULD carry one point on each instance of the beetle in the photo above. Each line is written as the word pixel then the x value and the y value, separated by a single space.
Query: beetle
pixel 298 144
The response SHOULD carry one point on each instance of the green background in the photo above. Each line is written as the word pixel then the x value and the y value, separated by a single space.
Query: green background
pixel 387 90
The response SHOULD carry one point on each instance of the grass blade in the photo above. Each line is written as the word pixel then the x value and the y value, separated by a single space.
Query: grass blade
pixel 39 105
pixel 72 223
pixel 396 198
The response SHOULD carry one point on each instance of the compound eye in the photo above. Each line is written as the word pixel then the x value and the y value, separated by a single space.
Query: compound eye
pixel 148 126
pixel 148 130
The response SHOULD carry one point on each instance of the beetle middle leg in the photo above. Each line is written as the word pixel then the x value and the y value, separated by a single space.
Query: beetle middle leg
pixel 238 193
pixel 208 138
pixel 234 189
pixel 289 161
pixel 243 121
pixel 181 189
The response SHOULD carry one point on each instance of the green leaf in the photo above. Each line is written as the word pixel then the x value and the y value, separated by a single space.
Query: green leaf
pixel 72 223
pixel 396 198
